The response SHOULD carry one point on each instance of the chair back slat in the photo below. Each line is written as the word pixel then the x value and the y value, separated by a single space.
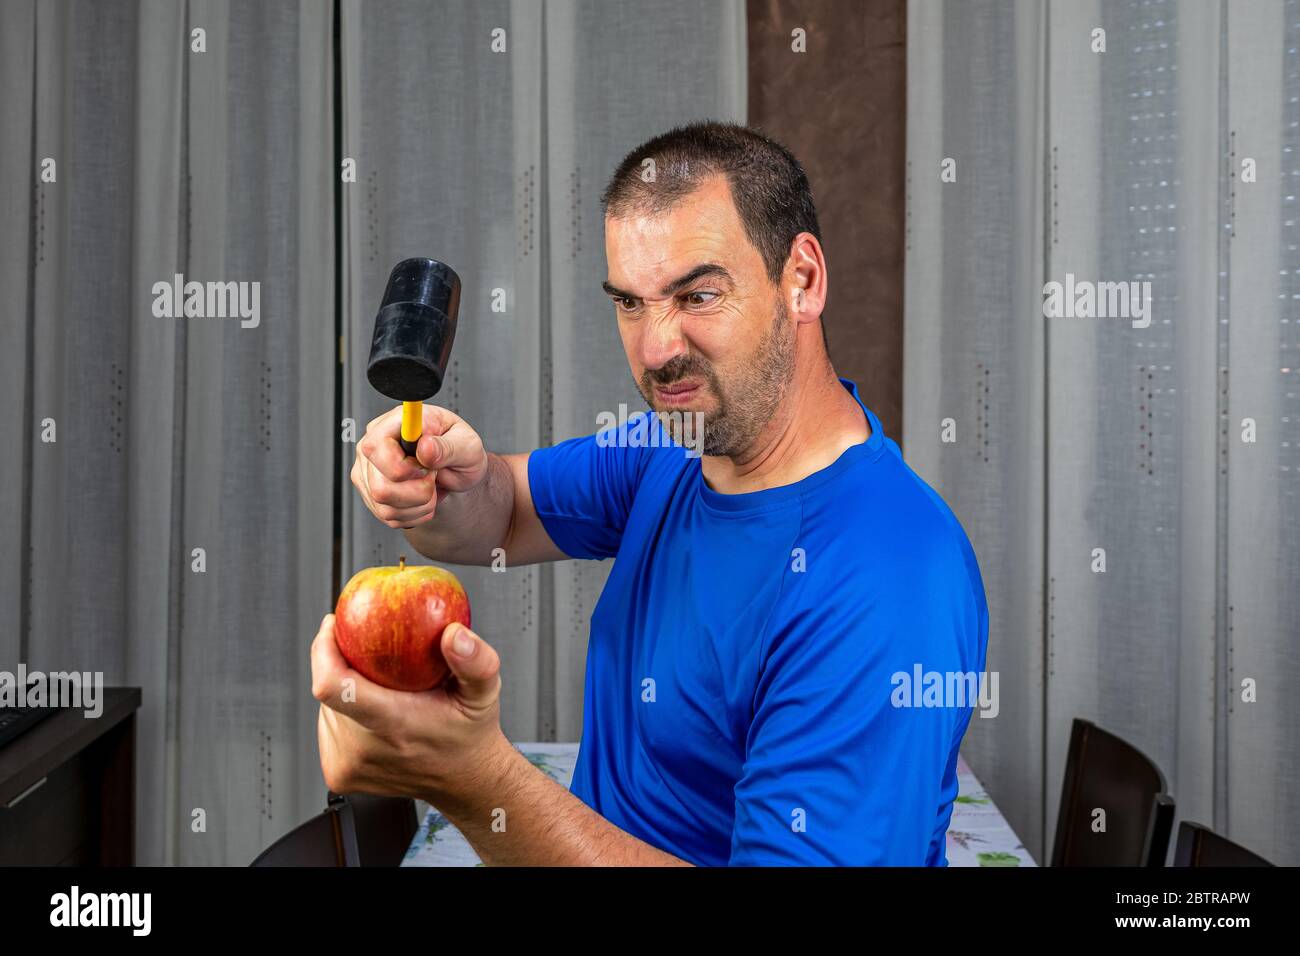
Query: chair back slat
pixel 1105 772
pixel 1200 846
pixel 354 830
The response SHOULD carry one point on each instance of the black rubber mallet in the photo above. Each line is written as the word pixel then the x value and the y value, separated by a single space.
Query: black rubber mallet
pixel 413 334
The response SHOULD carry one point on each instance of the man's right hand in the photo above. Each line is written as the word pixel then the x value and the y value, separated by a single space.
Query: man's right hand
pixel 403 492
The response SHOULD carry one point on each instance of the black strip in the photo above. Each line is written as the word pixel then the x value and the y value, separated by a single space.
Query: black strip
pixel 191 900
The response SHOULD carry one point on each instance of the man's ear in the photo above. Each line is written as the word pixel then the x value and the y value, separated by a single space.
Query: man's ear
pixel 807 274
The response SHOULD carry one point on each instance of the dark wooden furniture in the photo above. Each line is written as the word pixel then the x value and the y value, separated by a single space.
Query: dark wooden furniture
pixel 354 830
pixel 67 788
pixel 1105 771
pixel 1200 846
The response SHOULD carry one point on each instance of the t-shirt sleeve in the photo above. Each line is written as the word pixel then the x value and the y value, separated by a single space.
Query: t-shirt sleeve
pixel 836 771
pixel 583 488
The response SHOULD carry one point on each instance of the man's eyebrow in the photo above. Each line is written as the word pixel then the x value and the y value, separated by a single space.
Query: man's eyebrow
pixel 703 269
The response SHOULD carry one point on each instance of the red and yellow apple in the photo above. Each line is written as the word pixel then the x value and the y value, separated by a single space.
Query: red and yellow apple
pixel 389 622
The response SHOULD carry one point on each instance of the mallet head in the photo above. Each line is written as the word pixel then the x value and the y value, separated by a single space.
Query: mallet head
pixel 414 330
pixel 413 334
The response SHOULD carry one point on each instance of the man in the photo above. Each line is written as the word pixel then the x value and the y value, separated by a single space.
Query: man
pixel 743 698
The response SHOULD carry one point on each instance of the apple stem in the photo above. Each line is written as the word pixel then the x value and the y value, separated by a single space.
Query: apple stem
pixel 401 562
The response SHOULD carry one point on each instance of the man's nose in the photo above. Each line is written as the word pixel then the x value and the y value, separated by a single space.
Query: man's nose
pixel 661 341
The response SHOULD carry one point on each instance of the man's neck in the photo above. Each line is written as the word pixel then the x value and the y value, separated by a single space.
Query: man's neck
pixel 816 421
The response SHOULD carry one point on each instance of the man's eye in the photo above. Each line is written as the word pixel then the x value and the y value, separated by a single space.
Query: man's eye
pixel 624 304
pixel 700 298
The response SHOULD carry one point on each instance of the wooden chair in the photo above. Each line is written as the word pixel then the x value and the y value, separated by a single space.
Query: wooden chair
pixel 1200 846
pixel 354 830
pixel 1104 771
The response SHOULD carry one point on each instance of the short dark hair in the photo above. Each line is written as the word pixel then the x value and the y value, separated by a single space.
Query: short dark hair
pixel 768 186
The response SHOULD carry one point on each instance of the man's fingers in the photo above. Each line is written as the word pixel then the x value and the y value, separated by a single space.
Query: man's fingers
pixel 383 451
pixel 336 685
pixel 380 442
pixel 411 517
pixel 475 665
pixel 399 495
pixel 328 666
pixel 405 517
pixel 437 420
pixel 458 453
pixel 431 451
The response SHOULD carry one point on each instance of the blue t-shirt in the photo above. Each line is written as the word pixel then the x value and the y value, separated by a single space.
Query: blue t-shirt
pixel 762 667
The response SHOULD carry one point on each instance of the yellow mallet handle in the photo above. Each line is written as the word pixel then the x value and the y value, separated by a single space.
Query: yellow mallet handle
pixel 412 425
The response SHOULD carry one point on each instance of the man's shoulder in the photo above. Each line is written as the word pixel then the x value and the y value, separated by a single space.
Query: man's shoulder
pixel 888 547
pixel 884 510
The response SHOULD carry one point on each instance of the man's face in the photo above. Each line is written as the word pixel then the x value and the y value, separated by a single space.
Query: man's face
pixel 704 328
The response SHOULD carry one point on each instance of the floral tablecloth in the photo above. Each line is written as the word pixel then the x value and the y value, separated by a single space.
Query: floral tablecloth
pixel 977 834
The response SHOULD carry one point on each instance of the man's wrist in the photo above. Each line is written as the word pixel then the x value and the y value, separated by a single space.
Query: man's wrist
pixel 480 782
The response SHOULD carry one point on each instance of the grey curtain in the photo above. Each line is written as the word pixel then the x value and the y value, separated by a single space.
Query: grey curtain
pixel 173 434
pixel 1082 440
pixel 176 434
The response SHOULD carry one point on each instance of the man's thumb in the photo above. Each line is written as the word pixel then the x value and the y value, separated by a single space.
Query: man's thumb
pixel 474 663
pixel 431 451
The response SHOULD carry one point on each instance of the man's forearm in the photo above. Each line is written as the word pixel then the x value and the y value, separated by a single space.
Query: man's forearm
pixel 515 815
pixel 466 527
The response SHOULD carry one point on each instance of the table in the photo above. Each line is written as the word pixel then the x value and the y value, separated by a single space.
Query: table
pixel 978 835
pixel 67 788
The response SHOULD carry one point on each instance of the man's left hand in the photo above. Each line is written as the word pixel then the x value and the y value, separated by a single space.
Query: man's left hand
pixel 441 746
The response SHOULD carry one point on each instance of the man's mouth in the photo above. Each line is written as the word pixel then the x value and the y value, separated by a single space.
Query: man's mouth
pixel 677 393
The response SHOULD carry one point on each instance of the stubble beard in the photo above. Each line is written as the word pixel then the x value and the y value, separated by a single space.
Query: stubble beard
pixel 736 424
